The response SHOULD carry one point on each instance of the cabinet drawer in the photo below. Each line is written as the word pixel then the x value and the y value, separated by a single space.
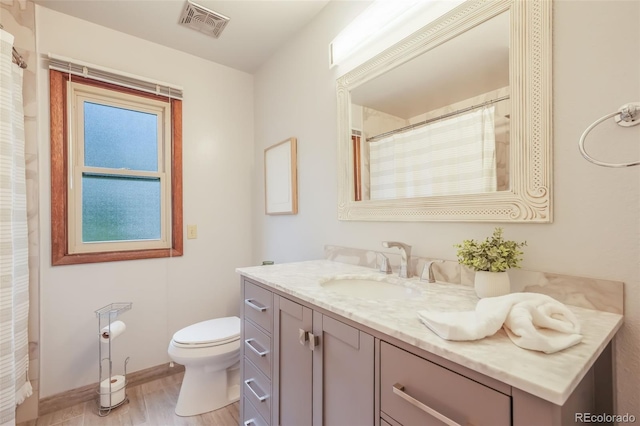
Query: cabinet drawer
pixel 258 305
pixel 257 348
pixel 257 389
pixel 417 391
pixel 251 416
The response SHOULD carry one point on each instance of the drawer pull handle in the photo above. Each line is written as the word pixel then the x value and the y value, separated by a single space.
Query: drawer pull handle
pixel 251 345
pixel 303 336
pixel 260 398
pixel 398 389
pixel 250 303
pixel 314 341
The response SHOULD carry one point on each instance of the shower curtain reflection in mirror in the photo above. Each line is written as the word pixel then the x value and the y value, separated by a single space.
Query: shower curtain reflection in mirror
pixel 451 156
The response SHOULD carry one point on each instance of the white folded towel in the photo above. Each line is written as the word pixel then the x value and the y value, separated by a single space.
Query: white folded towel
pixel 532 321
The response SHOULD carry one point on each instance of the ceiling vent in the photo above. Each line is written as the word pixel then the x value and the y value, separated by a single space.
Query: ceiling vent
pixel 202 19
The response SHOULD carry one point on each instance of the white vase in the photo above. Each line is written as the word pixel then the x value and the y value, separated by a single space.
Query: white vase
pixel 491 284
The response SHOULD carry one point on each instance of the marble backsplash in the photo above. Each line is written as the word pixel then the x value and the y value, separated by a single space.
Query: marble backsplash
pixel 597 294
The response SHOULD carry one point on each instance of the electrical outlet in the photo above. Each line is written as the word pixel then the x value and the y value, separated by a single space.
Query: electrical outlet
pixel 192 231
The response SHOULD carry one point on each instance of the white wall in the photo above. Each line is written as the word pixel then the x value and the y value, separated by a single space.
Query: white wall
pixel 596 231
pixel 167 294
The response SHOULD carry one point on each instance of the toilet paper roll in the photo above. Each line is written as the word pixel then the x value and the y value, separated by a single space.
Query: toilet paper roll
pixel 114 329
pixel 116 391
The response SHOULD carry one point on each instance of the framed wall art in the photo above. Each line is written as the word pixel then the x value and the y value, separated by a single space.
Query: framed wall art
pixel 280 178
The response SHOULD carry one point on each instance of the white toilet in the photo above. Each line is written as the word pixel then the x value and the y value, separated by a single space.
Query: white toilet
pixel 210 353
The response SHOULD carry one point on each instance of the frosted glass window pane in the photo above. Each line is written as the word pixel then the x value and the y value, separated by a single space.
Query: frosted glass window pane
pixel 119 138
pixel 116 208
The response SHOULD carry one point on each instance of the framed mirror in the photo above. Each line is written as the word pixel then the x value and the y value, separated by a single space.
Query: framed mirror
pixel 454 122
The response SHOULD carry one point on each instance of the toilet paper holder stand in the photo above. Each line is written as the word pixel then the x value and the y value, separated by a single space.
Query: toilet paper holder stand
pixel 106 315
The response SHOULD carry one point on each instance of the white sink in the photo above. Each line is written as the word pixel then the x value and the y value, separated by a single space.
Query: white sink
pixel 370 288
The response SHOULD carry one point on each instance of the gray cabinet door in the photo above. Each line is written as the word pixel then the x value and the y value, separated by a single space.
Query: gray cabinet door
pixel 323 369
pixel 343 374
pixel 293 364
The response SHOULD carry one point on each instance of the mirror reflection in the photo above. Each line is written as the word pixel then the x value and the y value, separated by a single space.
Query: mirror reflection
pixel 438 124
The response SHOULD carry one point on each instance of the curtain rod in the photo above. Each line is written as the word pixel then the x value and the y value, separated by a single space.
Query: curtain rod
pixel 109 75
pixel 449 114
pixel 17 58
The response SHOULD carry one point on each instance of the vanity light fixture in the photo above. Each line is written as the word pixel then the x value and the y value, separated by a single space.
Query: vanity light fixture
pixel 370 23
pixel 383 18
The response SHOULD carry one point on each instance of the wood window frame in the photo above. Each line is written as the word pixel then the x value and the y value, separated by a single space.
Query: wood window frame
pixel 357 169
pixel 59 177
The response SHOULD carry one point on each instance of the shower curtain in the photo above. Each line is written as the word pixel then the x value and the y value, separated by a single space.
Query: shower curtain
pixel 452 156
pixel 14 268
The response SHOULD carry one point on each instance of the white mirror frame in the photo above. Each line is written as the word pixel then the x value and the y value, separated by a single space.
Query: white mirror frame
pixel 529 196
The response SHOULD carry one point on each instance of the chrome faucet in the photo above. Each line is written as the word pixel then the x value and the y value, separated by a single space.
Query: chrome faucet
pixel 405 257
pixel 427 271
pixel 385 266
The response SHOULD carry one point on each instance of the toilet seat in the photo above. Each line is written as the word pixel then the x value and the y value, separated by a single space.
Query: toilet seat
pixel 215 332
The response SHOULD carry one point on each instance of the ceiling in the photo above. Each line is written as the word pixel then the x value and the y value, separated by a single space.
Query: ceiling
pixel 257 28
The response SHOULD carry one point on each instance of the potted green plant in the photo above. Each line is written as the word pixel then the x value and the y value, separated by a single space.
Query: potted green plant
pixel 491 259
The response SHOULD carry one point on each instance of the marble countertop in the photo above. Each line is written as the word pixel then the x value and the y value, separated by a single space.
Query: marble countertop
pixel 552 377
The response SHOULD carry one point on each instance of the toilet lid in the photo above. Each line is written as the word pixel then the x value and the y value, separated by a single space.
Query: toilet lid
pixel 216 331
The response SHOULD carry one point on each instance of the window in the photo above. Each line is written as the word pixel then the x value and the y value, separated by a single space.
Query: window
pixel 116 172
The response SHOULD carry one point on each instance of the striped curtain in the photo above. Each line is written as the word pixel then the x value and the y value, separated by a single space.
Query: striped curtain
pixel 452 156
pixel 14 268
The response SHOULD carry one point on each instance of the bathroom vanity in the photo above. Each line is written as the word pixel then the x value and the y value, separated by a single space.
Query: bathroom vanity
pixel 314 356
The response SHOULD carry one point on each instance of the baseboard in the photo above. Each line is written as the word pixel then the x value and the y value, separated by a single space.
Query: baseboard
pixel 87 393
